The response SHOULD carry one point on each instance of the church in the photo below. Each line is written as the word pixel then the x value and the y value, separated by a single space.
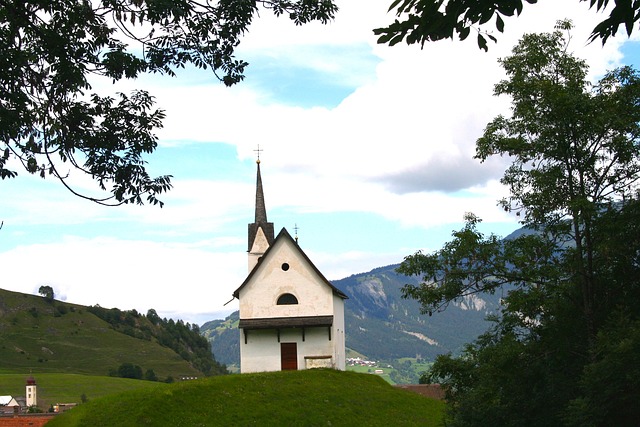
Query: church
pixel 291 316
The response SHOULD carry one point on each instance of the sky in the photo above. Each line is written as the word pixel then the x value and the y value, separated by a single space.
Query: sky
pixel 366 150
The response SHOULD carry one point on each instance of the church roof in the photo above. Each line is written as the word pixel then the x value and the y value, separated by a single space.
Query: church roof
pixel 285 322
pixel 284 234
pixel 4 400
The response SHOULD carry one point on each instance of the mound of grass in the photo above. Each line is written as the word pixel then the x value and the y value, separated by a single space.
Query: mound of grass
pixel 292 398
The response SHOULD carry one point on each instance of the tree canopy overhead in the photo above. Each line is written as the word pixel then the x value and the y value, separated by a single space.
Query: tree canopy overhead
pixel 52 124
pixel 422 21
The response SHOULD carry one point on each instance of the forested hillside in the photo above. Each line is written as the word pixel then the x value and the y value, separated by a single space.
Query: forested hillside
pixel 40 334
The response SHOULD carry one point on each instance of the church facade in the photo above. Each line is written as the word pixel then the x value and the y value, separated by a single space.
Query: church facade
pixel 291 316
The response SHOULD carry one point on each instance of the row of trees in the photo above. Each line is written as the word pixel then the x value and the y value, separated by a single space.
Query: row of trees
pixel 129 370
pixel 183 338
pixel 565 350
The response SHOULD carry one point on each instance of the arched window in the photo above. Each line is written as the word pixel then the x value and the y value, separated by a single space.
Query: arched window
pixel 287 299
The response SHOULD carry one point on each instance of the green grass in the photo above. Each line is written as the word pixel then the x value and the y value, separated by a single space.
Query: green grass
pixel 370 370
pixel 35 337
pixel 68 388
pixel 295 398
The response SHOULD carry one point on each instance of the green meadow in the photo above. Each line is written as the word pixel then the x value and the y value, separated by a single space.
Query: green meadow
pixel 70 388
pixel 37 336
pixel 291 398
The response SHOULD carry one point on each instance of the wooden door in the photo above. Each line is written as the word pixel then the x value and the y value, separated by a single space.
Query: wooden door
pixel 288 356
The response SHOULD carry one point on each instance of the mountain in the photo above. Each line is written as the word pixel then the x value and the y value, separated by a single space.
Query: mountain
pixel 224 337
pixel 383 326
pixel 44 335
pixel 380 324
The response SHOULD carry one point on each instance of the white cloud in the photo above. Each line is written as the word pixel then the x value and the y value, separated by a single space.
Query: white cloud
pixel 128 274
pixel 399 146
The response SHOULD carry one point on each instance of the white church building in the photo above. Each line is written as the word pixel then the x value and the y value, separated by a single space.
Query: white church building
pixel 291 316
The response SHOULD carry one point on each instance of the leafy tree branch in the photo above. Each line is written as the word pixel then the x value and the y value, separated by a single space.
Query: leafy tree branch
pixel 51 124
pixel 422 21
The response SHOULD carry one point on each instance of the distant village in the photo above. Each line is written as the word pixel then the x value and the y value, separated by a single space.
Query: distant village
pixel 17 405
pixel 357 361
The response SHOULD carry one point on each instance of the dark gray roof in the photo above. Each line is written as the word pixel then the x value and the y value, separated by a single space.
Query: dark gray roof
pixel 285 322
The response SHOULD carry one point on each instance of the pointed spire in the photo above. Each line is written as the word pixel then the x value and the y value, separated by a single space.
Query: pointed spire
pixel 261 210
pixel 261 215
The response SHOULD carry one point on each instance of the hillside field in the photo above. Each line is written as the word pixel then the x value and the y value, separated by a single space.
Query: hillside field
pixel 37 336
pixel 69 388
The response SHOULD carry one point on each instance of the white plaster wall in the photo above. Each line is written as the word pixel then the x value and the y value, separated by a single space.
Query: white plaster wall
pixel 32 397
pixel 258 297
pixel 262 351
pixel 259 247
pixel 338 334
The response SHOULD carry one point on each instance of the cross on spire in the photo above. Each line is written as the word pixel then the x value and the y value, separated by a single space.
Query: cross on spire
pixel 258 150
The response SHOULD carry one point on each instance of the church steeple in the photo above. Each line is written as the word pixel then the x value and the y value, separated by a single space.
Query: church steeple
pixel 260 231
pixel 261 210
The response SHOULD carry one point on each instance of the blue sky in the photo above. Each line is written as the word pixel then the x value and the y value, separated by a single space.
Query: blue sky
pixel 367 149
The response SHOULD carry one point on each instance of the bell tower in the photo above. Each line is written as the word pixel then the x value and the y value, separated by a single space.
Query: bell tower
pixel 260 231
pixel 31 392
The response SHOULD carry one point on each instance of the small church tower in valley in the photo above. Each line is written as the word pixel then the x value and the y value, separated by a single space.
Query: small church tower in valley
pixel 31 392
pixel 291 316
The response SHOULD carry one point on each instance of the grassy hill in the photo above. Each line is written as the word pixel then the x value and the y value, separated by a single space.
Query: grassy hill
pixel 291 398
pixel 40 336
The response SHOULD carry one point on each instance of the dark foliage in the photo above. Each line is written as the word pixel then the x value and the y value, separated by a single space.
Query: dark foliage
pixel 129 370
pixel 564 350
pixel 424 21
pixel 183 338
pixel 47 293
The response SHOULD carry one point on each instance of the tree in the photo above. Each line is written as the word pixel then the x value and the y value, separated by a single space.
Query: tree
pixel 46 292
pixel 153 317
pixel 433 20
pixel 51 122
pixel 129 370
pixel 570 282
pixel 575 147
pixel 150 375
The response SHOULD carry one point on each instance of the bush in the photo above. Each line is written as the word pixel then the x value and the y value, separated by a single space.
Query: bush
pixel 129 370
